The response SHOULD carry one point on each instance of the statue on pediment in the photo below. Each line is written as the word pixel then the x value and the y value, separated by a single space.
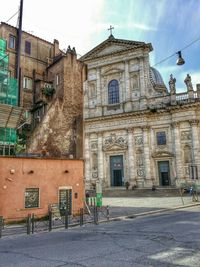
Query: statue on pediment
pixel 172 85
pixel 188 82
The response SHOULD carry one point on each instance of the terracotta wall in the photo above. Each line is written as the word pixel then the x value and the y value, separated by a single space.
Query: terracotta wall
pixel 17 174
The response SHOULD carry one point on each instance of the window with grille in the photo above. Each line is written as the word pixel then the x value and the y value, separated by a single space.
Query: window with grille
pixel 12 42
pixel 161 138
pixel 28 47
pixel 32 198
pixel 113 92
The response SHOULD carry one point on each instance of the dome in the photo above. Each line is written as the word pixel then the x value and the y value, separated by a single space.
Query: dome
pixel 156 77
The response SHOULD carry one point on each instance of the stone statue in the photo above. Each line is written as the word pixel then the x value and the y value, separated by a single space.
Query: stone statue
pixel 188 82
pixel 172 85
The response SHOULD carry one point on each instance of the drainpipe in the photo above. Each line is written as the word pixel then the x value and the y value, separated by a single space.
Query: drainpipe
pixel 19 37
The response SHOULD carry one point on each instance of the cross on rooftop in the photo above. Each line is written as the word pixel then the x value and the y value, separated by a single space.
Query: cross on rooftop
pixel 110 29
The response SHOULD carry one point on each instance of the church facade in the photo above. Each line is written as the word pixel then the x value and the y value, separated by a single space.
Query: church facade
pixel 135 129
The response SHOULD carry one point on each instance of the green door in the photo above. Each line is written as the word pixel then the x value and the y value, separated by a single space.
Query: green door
pixel 116 170
pixel 164 173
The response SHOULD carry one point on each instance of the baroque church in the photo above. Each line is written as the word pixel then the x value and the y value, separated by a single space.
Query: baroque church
pixel 137 130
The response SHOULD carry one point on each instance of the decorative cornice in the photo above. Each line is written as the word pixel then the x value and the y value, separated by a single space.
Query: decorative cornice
pixel 146 112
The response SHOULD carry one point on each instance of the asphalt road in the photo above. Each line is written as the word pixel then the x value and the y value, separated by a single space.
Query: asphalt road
pixel 167 239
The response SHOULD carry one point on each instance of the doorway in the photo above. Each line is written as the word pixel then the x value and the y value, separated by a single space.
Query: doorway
pixel 65 200
pixel 164 173
pixel 116 170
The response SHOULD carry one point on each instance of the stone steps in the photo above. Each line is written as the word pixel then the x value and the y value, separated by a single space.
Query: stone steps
pixel 143 192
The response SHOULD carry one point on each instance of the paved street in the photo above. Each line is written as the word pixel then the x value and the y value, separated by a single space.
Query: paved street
pixel 167 239
pixel 123 206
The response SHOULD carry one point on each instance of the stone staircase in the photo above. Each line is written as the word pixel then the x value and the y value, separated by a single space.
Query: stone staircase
pixel 141 192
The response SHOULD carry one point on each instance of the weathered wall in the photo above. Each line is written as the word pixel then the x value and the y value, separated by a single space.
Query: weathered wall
pixel 60 131
pixel 47 175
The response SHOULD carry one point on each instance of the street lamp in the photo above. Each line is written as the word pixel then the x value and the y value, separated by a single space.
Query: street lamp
pixel 180 61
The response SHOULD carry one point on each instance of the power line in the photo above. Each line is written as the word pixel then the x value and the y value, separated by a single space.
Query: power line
pixel 12 16
pixel 164 59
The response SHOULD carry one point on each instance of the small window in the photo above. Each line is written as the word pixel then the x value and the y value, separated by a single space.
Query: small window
pixel 161 138
pixel 12 42
pixel 28 47
pixel 28 83
pixel 113 92
pixel 32 198
pixel 193 172
pixel 57 79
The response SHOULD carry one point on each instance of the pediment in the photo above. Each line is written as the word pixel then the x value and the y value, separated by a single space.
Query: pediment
pixel 111 49
pixel 159 154
pixel 112 46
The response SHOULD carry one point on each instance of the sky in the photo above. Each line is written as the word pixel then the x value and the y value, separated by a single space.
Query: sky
pixel 169 25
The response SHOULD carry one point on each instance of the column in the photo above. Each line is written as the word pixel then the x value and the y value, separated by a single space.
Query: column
pixel 177 151
pixel 127 99
pixel 87 159
pixel 131 159
pixel 146 154
pixel 142 79
pixel 100 158
pixel 152 161
pixel 127 82
pixel 99 93
pixel 195 144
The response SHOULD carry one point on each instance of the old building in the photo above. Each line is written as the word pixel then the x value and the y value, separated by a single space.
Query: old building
pixel 135 129
pixel 31 185
pixel 50 91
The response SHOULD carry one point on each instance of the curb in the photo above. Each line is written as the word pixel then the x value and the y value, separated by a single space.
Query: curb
pixel 131 216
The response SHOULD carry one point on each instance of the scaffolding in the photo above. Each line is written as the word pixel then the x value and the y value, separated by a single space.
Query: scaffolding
pixel 10 113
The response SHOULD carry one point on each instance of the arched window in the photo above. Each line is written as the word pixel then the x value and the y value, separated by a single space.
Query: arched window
pixel 113 92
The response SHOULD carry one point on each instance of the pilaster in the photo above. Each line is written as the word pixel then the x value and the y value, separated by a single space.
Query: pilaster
pixel 87 157
pixel 127 82
pixel 195 143
pixel 177 150
pixel 146 153
pixel 131 155
pixel 99 95
pixel 152 163
pixel 100 157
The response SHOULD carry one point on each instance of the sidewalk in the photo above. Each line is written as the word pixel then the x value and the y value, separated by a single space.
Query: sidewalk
pixel 126 206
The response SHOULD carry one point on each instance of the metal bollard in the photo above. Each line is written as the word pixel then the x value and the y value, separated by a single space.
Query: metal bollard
pixel 29 224
pixel 95 215
pixel 107 213
pixel 1 225
pixel 50 220
pixel 81 216
pixel 33 223
pixel 66 219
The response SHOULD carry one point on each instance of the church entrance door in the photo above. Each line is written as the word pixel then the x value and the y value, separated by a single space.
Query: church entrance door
pixel 116 170
pixel 164 173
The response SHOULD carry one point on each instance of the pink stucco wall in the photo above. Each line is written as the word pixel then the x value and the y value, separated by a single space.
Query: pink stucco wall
pixel 17 174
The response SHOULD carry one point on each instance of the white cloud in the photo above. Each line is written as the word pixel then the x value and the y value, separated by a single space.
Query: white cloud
pixel 132 25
